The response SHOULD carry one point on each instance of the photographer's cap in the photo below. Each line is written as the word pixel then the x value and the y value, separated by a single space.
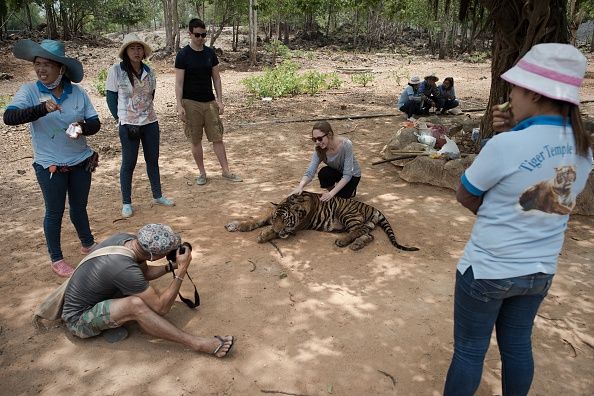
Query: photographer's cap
pixel 158 239
pixel 553 70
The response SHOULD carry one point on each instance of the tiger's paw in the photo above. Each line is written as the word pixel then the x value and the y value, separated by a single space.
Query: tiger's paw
pixel 341 242
pixel 233 226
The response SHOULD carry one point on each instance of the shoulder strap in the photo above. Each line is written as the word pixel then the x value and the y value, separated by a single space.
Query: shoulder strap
pixel 51 307
pixel 124 251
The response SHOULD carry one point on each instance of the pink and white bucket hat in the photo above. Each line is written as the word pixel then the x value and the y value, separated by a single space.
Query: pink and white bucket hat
pixel 552 70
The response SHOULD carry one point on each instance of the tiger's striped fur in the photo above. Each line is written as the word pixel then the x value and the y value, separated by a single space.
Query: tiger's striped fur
pixel 305 211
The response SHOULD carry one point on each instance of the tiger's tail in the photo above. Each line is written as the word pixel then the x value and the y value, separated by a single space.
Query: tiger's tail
pixel 383 222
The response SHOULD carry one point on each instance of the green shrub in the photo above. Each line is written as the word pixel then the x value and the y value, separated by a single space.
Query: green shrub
pixel 277 48
pixel 277 82
pixel 362 78
pixel 335 81
pixel 4 101
pixel 284 80
pixel 313 82
pixel 99 82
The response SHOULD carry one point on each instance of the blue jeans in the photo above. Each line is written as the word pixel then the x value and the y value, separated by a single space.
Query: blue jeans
pixel 77 184
pixel 446 104
pixel 508 304
pixel 149 136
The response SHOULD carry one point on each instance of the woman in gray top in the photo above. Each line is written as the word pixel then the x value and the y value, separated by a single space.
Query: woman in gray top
pixel 342 173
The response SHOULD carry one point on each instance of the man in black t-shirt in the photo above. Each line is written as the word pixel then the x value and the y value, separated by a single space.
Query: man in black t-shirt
pixel 196 70
pixel 108 290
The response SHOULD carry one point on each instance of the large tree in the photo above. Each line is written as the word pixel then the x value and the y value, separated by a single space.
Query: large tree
pixel 517 26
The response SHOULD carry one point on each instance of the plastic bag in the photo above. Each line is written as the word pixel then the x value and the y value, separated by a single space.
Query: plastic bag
pixel 450 149
pixel 74 131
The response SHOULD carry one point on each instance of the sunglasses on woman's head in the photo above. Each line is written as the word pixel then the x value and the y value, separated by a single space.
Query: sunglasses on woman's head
pixel 318 139
pixel 198 35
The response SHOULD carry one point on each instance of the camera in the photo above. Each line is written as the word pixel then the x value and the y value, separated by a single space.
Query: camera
pixel 171 256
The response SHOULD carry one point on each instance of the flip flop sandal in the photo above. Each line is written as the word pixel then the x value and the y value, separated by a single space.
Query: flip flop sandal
pixel 115 335
pixel 222 340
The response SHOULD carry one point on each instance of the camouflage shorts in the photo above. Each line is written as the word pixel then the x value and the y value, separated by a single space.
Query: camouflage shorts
pixel 93 321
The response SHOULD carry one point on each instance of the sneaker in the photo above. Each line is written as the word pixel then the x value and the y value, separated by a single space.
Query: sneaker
pixel 62 268
pixel 232 177
pixel 413 119
pixel 127 210
pixel 163 201
pixel 89 249
pixel 201 180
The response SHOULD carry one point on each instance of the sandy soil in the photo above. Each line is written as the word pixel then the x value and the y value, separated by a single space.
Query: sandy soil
pixel 310 318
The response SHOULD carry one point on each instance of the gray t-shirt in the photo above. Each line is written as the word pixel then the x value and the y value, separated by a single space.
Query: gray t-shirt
pixel 343 161
pixel 103 278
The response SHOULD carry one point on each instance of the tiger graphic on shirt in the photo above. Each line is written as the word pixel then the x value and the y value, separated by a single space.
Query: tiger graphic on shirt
pixel 553 195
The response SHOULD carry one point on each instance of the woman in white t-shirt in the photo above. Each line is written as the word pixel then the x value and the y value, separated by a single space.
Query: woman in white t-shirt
pixel 522 187
pixel 130 90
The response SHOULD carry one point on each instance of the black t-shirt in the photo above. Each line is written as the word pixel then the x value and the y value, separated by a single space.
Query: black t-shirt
pixel 103 278
pixel 198 72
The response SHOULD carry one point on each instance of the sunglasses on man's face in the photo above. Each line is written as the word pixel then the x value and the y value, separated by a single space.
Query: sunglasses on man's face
pixel 198 35
pixel 318 138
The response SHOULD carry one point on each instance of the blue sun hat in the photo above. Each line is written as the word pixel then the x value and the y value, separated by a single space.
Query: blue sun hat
pixel 49 49
pixel 158 239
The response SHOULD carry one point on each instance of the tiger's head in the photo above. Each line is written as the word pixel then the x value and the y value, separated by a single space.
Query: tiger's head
pixel 564 177
pixel 288 216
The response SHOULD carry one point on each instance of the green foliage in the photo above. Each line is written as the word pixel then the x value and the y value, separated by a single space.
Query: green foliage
pixel 277 82
pixel 335 81
pixel 399 75
pixel 99 82
pixel 284 80
pixel 4 101
pixel 277 48
pixel 478 57
pixel 362 78
pixel 313 82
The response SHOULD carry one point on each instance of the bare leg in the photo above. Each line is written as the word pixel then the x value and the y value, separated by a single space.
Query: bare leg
pixel 198 154
pixel 133 308
pixel 219 149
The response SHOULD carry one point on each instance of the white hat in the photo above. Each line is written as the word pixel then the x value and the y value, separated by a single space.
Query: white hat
pixel 414 80
pixel 552 70
pixel 132 38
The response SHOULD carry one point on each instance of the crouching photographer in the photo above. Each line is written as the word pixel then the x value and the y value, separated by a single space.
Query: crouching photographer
pixel 111 287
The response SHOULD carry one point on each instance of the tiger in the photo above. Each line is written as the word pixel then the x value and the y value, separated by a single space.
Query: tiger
pixel 305 211
pixel 551 196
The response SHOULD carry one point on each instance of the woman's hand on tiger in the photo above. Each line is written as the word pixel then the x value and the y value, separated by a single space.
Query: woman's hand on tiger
pixel 327 196
pixel 297 191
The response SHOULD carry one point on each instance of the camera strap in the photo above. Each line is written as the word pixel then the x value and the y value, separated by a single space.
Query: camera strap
pixel 187 301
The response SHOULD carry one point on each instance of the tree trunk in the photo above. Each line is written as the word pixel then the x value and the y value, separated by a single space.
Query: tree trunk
pixel 65 25
pixel 29 19
pixel 50 17
pixel 168 22
pixel 519 25
pixel 253 20
pixel 175 25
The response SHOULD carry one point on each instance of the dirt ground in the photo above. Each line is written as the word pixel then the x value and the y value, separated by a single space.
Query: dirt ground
pixel 310 318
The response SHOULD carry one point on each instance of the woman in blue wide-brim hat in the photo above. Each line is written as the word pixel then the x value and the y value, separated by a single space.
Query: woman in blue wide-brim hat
pixel 61 115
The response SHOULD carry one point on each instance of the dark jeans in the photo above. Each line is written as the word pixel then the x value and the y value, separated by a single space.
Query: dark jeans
pixel 415 108
pixel 508 304
pixel 150 146
pixel 446 104
pixel 329 177
pixel 77 184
